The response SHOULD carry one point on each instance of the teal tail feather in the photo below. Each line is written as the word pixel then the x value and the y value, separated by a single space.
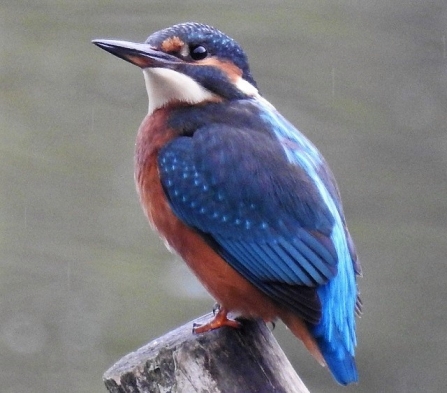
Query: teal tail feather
pixel 339 361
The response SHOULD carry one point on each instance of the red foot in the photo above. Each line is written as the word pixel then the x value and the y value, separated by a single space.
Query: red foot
pixel 219 320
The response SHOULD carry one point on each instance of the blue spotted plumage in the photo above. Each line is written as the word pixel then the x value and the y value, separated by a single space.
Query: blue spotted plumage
pixel 249 184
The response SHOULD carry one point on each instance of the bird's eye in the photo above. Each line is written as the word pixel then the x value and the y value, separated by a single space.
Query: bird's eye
pixel 198 52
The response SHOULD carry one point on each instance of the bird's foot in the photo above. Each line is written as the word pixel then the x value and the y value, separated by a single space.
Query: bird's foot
pixel 220 319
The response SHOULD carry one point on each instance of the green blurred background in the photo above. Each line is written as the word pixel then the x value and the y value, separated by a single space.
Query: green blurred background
pixel 83 279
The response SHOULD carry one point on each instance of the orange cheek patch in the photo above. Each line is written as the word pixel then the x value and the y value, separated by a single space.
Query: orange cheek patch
pixel 172 44
pixel 233 72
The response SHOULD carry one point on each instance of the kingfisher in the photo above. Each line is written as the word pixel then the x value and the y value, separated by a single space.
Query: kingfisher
pixel 244 198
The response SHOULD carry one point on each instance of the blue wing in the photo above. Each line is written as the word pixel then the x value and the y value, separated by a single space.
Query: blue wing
pixel 260 211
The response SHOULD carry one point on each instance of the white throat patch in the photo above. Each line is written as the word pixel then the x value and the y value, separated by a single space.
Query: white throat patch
pixel 164 85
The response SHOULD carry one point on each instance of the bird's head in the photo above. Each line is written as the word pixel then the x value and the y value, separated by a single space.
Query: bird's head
pixel 188 63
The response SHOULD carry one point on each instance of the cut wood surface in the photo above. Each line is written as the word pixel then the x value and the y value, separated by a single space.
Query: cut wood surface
pixel 225 360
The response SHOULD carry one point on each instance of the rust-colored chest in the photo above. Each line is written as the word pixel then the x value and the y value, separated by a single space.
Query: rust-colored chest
pixel 152 135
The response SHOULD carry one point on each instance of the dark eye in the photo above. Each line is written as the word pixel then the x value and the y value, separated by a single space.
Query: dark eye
pixel 198 52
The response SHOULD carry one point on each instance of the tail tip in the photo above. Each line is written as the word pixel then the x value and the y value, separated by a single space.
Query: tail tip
pixel 343 370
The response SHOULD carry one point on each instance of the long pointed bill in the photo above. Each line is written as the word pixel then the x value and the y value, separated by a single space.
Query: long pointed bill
pixel 142 55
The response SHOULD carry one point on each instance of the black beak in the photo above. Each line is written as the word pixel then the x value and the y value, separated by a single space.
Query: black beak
pixel 142 55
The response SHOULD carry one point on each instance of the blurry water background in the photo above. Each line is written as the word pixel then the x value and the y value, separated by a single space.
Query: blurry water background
pixel 83 279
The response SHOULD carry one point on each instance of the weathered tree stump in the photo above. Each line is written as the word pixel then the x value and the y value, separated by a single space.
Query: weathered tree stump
pixel 225 360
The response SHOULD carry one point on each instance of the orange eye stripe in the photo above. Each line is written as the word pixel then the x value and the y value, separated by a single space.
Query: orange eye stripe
pixel 233 72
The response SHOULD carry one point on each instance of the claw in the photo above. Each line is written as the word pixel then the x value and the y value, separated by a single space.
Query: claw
pixel 219 320
pixel 216 308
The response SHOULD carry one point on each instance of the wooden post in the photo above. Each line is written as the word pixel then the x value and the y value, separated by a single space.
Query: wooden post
pixel 226 360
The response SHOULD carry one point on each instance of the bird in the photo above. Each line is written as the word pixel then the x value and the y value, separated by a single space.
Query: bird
pixel 245 199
